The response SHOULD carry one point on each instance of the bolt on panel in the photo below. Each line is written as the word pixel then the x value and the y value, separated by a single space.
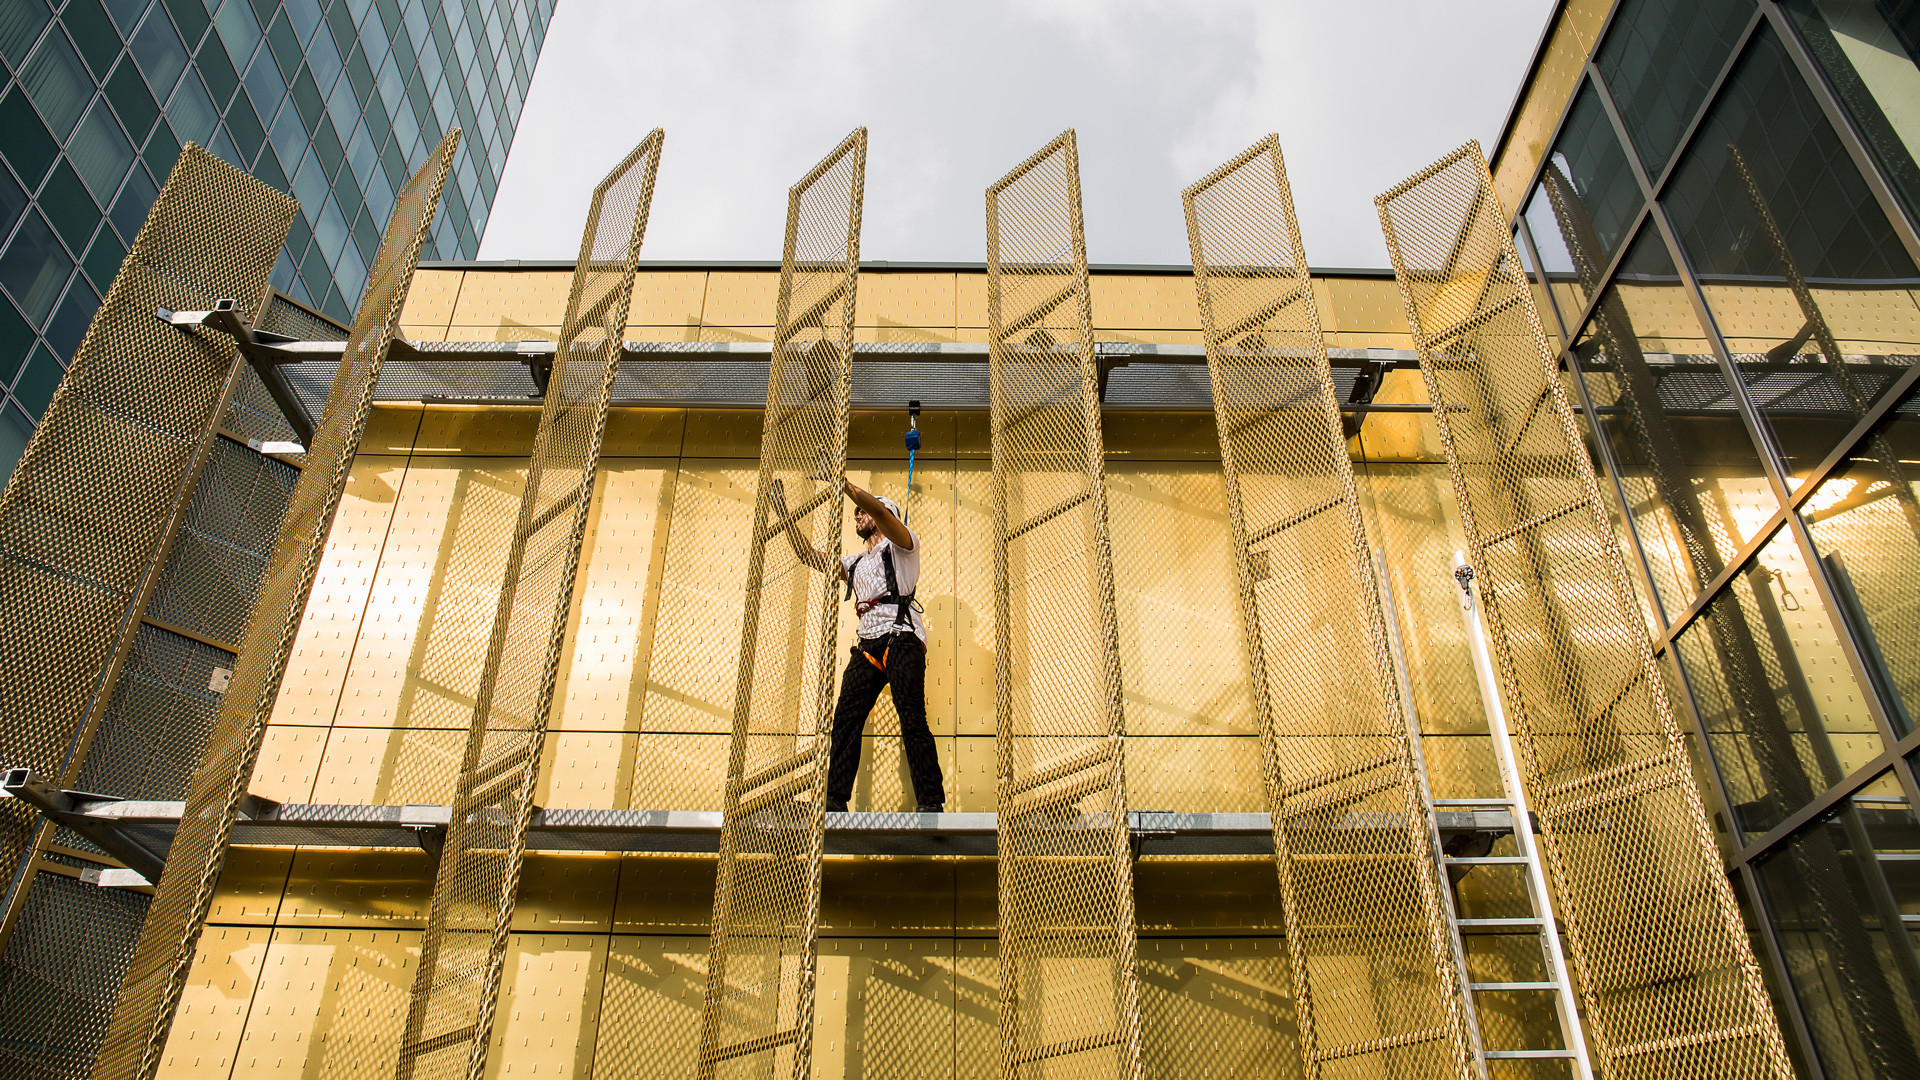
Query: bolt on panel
pixel 1365 913
pixel 1069 992
pixel 1666 972
pixel 757 1015
pixel 137 1033
pixel 456 987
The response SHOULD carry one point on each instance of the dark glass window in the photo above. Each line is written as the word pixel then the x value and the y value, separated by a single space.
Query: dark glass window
pixel 16 341
pixel 157 49
pixel 244 124
pixel 125 13
pixel 69 324
pixel 223 148
pixel 306 95
pixel 299 236
pixel 100 152
pixel 1659 59
pixel 265 86
pixel 41 377
pixel 15 430
pixel 57 82
pixel 103 259
pixel 343 107
pixel 67 204
pixel 1802 270
pixel 284 43
pixel 1783 714
pixel 190 16
pixel 1865 521
pixel 217 74
pixel 130 209
pixel 288 136
pixel 361 158
pixel 13 202
pixel 350 274
pixel 1841 891
pixel 128 93
pixel 310 185
pixel 366 235
pixel 1590 194
pixel 330 230
pixel 360 75
pixel 93 32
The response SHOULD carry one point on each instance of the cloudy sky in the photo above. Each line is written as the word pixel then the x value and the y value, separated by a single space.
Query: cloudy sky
pixel 1363 93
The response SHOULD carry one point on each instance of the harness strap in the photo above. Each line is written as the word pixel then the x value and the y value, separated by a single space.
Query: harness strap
pixel 903 602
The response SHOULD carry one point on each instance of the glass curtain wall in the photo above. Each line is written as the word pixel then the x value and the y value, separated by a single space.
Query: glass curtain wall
pixel 1725 233
pixel 335 101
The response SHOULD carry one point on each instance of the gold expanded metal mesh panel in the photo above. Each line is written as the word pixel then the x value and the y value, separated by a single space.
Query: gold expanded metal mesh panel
pixel 1665 968
pixel 1375 977
pixel 757 1017
pixel 457 983
pixel 83 515
pixel 1069 995
pixel 138 1031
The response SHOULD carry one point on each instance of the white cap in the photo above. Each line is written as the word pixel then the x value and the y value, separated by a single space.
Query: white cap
pixel 892 507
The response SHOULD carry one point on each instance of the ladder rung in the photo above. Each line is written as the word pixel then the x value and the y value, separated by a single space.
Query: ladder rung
pixel 1528 921
pixel 1484 860
pixel 1067 1046
pixel 1524 1055
pixel 756 1046
pixel 1477 987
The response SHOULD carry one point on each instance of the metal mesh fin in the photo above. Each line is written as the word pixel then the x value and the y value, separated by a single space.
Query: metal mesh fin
pixel 90 515
pixel 137 1034
pixel 1068 988
pixel 1377 982
pixel 457 984
pixel 1665 967
pixel 757 1016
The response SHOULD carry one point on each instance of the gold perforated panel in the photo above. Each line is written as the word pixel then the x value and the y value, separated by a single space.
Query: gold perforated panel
pixel 1069 994
pixel 83 517
pixel 757 1016
pixel 456 987
pixel 138 1030
pixel 1664 964
pixel 1363 907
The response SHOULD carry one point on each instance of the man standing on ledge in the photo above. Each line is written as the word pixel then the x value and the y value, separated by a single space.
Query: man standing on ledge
pixel 891 649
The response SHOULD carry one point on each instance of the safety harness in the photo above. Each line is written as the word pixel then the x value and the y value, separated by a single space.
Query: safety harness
pixel 903 602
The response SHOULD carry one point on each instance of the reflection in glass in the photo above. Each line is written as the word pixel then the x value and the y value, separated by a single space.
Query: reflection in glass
pixel 1588 164
pixel 1843 892
pixel 1868 51
pixel 1688 466
pixel 1783 714
pixel 1801 269
pixel 1658 60
pixel 1866 524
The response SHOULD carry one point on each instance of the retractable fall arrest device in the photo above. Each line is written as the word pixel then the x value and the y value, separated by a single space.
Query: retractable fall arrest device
pixel 903 602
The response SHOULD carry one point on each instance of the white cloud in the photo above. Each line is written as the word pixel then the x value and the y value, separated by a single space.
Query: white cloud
pixel 751 95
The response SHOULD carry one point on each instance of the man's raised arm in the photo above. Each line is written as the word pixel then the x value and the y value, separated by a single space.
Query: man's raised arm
pixel 890 527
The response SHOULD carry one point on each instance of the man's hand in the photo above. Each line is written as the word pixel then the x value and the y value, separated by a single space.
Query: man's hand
pixel 891 527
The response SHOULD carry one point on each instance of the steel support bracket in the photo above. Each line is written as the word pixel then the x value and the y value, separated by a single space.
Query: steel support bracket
pixel 265 359
pixel 70 809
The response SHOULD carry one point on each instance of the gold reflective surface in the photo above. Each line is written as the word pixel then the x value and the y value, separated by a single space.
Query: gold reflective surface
pixel 757 1016
pixel 1355 899
pixel 1666 972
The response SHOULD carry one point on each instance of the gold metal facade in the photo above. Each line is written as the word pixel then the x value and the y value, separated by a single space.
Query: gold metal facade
pixel 87 514
pixel 1069 1000
pixel 136 1035
pixel 456 984
pixel 1353 835
pixel 757 1017
pixel 1665 968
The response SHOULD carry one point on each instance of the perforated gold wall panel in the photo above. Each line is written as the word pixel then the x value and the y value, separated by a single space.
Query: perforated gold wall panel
pixel 85 513
pixel 456 986
pixel 1665 969
pixel 757 1016
pixel 1069 994
pixel 1363 906
pixel 138 1030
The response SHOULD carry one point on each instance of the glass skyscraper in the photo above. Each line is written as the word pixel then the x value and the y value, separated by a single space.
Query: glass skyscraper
pixel 336 102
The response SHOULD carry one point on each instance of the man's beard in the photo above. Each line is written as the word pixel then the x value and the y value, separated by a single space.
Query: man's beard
pixel 864 532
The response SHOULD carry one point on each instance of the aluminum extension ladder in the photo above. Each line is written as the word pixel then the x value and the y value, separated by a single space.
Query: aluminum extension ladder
pixel 1509 814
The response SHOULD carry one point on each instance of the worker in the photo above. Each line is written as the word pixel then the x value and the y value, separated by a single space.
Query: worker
pixel 890 647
